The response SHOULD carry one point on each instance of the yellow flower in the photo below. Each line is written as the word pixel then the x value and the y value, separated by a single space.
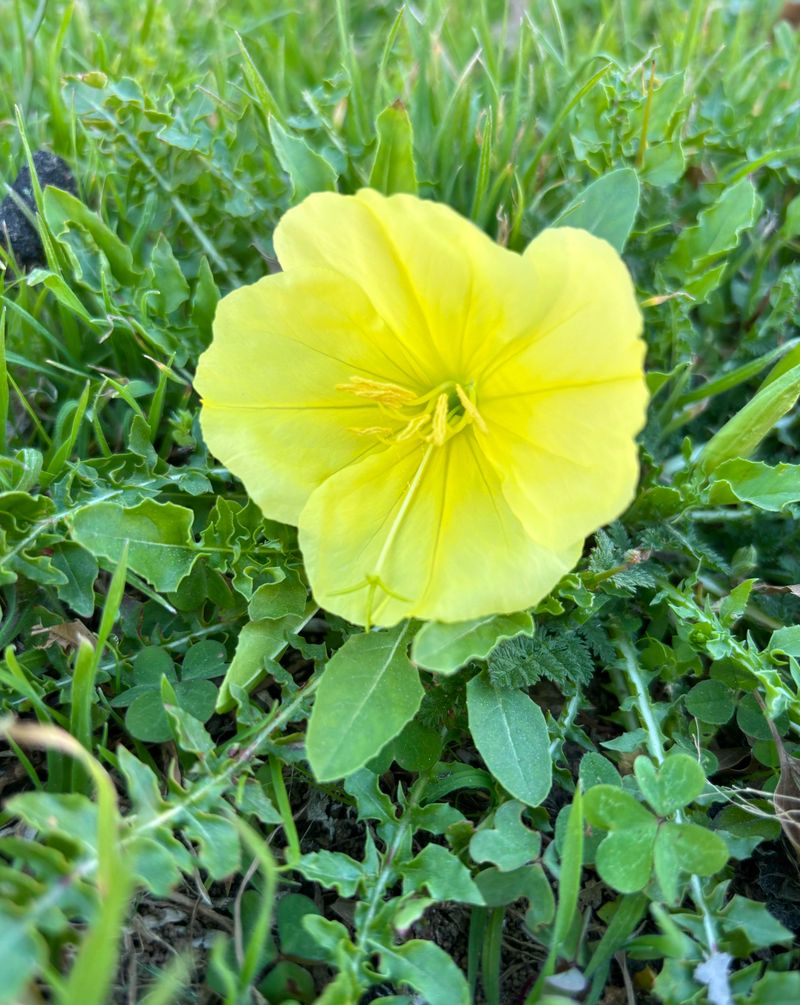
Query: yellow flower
pixel 443 419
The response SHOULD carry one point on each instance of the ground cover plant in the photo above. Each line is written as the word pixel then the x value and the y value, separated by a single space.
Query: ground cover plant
pixel 213 789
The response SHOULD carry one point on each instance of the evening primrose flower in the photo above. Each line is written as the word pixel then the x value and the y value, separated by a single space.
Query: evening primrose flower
pixel 444 420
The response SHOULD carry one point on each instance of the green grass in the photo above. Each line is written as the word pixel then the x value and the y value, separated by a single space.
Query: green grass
pixel 190 130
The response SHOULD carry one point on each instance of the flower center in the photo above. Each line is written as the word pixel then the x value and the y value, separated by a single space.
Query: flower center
pixel 434 417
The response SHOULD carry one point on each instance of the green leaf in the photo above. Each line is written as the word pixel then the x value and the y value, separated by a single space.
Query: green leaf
pixel 203 660
pixel 217 840
pixel 786 641
pixel 508 843
pixel 767 486
pixel 733 606
pixel 146 718
pixel 418 747
pixel 624 859
pixel 369 691
pixel 444 876
pixel 293 938
pixel 308 172
pixel 742 434
pixel 331 869
pixel 80 570
pixel 21 950
pixel 749 926
pixel 446 648
pixel 60 290
pixel 595 769
pixel 697 849
pixel 511 735
pixel 190 734
pixel 686 848
pixel 160 544
pixel 501 888
pixel 62 209
pixel 426 968
pixel 711 701
pixel 694 259
pixel 204 300
pixel 678 781
pixel 169 280
pixel 607 208
pixel 569 880
pixel 393 169
pixel 259 642
pixel 276 600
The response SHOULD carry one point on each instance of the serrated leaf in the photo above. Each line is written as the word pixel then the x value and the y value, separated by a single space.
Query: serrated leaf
pixel 161 548
pixel 308 172
pixel 771 487
pixel 441 874
pixel 331 869
pixel 446 648
pixel 61 210
pixel 217 840
pixel 606 208
pixel 80 569
pixel 258 643
pixel 511 736
pixel 170 282
pixel 717 229
pixel 508 843
pixel 369 691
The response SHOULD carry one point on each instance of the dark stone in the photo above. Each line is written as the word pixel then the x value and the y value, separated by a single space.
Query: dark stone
pixel 17 234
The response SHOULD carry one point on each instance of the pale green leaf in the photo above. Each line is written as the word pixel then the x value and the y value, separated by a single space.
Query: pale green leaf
pixel 607 208
pixel 511 735
pixel 446 648
pixel 393 169
pixel 369 691
pixel 160 544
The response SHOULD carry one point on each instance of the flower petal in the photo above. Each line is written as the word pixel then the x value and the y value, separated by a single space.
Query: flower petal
pixel 423 532
pixel 563 403
pixel 441 284
pixel 272 412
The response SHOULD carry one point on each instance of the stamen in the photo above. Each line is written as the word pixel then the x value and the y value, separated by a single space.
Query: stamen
pixel 414 426
pixel 470 408
pixel 379 431
pixel 381 392
pixel 439 433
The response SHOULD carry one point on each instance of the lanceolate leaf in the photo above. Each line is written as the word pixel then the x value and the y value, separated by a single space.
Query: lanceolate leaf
pixel 740 435
pixel 510 732
pixel 369 691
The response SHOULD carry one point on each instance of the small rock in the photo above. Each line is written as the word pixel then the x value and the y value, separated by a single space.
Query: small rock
pixel 16 231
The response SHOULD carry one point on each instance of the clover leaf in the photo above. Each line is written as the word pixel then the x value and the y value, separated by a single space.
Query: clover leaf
pixel 640 843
